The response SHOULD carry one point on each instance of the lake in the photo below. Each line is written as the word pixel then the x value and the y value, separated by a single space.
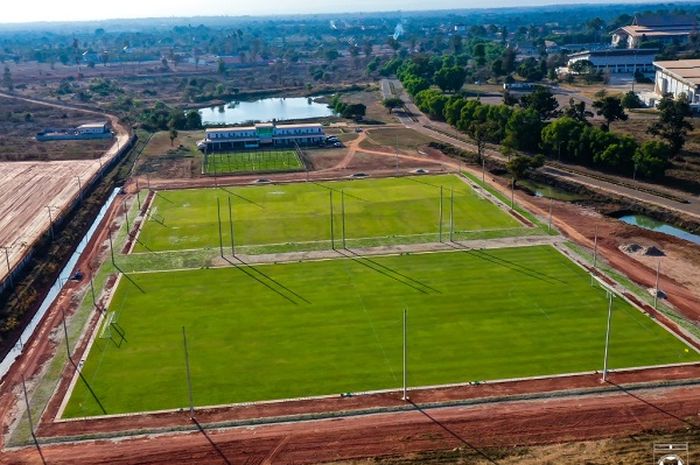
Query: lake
pixel 649 223
pixel 267 109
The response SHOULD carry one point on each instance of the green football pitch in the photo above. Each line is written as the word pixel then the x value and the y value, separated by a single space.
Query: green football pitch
pixel 301 212
pixel 253 162
pixel 333 326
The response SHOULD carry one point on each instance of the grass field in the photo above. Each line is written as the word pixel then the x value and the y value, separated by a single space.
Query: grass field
pixel 313 328
pixel 253 162
pixel 275 214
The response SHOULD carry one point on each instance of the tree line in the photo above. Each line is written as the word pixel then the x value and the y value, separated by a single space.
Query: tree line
pixel 535 123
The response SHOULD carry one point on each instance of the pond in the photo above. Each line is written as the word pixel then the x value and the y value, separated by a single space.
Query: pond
pixel 266 109
pixel 649 223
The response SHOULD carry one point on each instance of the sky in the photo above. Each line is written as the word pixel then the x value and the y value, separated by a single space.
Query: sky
pixel 81 10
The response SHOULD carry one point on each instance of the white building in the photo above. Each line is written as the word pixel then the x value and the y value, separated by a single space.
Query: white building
pixel 263 134
pixel 94 128
pixel 677 77
pixel 655 28
pixel 617 60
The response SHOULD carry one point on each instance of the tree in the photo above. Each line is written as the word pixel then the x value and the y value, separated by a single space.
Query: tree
pixel 610 108
pixel 392 102
pixel 560 137
pixel 631 100
pixel 450 78
pixel 481 131
pixel 172 135
pixel 672 124
pixel 530 69
pixel 221 66
pixel 7 81
pixel 577 111
pixel 194 120
pixel 542 101
pixel 651 159
pixel 523 130
pixel 521 165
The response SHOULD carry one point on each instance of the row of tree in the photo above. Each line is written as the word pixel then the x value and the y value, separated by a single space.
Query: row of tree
pixel 535 123
pixel 348 110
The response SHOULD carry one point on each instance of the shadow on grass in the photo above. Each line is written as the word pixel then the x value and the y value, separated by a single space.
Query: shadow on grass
pixel 266 280
pixel 485 255
pixel 388 272
pixel 129 278
pixel 237 195
pixel 211 442
pixel 454 434
pixel 352 196
pixel 89 388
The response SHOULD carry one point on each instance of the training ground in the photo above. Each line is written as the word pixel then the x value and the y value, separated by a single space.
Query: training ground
pixel 333 324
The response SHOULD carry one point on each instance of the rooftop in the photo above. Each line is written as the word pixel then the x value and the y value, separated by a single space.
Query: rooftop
pixel 93 125
pixel 684 70
pixel 616 52
pixel 265 125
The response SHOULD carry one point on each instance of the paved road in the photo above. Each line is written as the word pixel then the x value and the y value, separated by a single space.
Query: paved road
pixel 421 123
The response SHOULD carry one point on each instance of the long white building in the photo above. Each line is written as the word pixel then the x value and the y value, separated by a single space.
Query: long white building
pixel 261 135
pixel 617 60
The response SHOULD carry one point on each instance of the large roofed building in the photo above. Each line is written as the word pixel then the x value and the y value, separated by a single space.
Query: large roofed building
pixel 678 77
pixel 263 134
pixel 617 60
pixel 655 28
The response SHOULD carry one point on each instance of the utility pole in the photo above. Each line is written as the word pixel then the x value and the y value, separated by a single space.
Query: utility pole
pixel 342 208
pixel 138 194
pixel 607 335
pixel 549 223
pixel 332 222
pixel 65 334
pixel 92 291
pixel 218 217
pixel 656 286
pixel 396 148
pixel 111 247
pixel 405 357
pixel 9 268
pixel 483 170
pixel 512 193
pixel 441 215
pixel 126 217
pixel 452 214
pixel 230 223
pixel 189 377
pixel 595 248
pixel 50 221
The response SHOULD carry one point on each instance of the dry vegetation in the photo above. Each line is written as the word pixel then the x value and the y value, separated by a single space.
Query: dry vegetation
pixel 181 159
pixel 20 121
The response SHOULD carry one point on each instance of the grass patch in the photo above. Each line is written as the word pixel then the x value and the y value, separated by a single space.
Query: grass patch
pixel 301 213
pixel 313 328
pixel 253 162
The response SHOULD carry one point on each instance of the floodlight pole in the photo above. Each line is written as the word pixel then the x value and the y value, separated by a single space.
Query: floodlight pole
pixel 441 214
pixel 607 336
pixel 332 221
pixel 549 223
pixel 65 334
pixel 512 193
pixel 452 214
pixel 405 357
pixel 595 248
pixel 483 170
pixel 230 223
pixel 218 216
pixel 656 286
pixel 111 247
pixel 342 207
pixel 138 193
pixel 126 217
pixel 187 366
pixel 92 291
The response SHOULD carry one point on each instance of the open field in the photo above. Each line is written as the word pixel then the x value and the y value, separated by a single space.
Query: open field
pixel 253 162
pixel 313 328
pixel 295 213
pixel 20 121
pixel 181 159
pixel 401 138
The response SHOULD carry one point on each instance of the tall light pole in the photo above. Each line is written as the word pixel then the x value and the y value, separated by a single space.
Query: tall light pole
pixel 7 261
pixel 549 223
pixel 441 215
pixel 656 286
pixel 332 221
pixel 405 356
pixel 342 208
pixel 595 248
pixel 452 214
pixel 230 224
pixel 607 335
pixel 187 367
pixel 218 217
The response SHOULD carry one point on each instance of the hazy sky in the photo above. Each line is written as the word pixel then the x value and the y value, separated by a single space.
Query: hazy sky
pixel 69 10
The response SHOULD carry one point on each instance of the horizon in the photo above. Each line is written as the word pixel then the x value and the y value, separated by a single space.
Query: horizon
pixel 80 11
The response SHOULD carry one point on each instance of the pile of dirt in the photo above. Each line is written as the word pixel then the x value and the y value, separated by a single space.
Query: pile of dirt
pixel 631 248
pixel 654 251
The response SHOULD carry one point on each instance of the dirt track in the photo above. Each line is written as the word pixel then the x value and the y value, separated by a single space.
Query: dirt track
pixel 28 188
